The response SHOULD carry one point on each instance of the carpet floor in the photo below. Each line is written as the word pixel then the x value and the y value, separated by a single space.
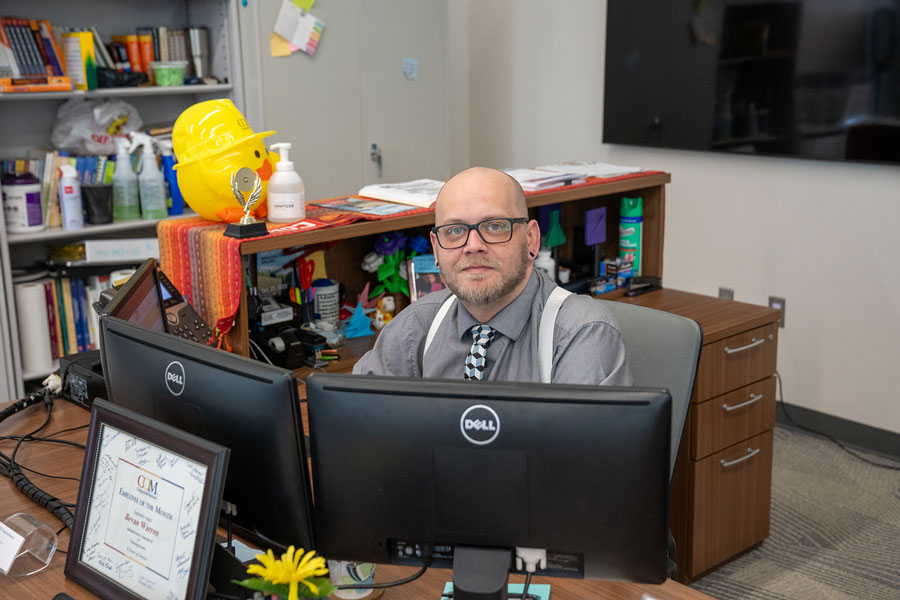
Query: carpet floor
pixel 834 531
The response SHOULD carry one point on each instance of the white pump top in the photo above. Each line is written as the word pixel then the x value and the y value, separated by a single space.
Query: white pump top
pixel 285 163
pixel 68 171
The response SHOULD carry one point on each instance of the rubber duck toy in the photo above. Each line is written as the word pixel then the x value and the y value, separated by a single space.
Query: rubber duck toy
pixel 212 140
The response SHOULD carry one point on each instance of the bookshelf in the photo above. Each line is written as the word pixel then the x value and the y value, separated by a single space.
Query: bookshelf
pixel 26 120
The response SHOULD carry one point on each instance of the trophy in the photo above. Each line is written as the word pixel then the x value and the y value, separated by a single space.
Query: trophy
pixel 245 180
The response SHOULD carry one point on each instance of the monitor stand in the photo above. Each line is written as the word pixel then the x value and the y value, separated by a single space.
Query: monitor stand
pixel 481 573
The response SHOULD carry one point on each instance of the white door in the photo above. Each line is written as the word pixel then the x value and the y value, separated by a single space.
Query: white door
pixel 353 92
pixel 405 112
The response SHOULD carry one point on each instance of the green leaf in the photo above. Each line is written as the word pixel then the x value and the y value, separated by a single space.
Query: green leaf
pixel 267 587
pixel 325 588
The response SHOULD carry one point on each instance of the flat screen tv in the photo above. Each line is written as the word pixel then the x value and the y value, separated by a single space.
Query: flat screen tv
pixel 815 79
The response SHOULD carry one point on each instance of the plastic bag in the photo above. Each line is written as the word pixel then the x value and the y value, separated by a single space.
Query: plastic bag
pixel 90 126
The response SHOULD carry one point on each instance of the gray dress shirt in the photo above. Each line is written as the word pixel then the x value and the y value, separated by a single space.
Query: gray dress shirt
pixel 587 345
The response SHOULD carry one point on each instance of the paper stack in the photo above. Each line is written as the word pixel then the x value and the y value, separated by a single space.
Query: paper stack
pixel 533 180
pixel 420 192
pixel 591 169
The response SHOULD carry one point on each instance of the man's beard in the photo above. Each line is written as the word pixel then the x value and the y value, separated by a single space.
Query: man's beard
pixel 476 292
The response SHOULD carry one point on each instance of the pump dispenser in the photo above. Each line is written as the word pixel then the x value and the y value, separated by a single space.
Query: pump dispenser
pixel 174 199
pixel 150 181
pixel 125 185
pixel 286 193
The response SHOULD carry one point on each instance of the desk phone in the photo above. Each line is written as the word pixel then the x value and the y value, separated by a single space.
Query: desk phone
pixel 181 318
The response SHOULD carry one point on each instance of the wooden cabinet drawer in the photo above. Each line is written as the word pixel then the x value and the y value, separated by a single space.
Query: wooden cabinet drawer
pixel 732 417
pixel 730 501
pixel 736 361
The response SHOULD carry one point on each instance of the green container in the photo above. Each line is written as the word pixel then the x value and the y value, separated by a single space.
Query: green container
pixel 168 73
pixel 631 222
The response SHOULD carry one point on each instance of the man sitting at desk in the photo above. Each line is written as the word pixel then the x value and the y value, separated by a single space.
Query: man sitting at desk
pixel 485 246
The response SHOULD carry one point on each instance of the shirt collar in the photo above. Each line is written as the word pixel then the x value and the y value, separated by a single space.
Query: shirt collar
pixel 510 321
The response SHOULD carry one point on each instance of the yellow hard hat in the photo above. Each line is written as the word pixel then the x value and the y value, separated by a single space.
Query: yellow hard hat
pixel 209 128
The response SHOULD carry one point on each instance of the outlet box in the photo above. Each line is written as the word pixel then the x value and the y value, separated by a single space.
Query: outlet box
pixel 726 293
pixel 776 302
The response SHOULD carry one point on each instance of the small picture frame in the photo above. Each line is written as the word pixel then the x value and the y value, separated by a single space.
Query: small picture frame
pixel 147 508
pixel 424 276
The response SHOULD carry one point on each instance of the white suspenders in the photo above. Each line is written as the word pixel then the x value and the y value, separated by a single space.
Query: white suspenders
pixel 545 330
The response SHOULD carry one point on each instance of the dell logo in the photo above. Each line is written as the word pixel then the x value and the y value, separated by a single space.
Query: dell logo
pixel 175 378
pixel 480 424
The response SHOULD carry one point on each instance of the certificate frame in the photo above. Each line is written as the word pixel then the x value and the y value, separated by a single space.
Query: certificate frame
pixel 107 563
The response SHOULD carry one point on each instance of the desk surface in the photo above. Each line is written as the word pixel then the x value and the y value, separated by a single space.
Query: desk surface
pixel 57 459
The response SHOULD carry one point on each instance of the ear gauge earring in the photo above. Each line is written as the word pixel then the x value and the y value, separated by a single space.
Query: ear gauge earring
pixel 531 254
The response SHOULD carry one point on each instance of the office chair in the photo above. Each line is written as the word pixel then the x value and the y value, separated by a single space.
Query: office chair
pixel 663 350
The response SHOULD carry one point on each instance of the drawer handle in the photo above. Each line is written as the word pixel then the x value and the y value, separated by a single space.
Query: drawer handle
pixel 753 398
pixel 750 453
pixel 752 344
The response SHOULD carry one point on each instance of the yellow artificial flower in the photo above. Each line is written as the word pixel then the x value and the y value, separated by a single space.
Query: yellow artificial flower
pixel 293 568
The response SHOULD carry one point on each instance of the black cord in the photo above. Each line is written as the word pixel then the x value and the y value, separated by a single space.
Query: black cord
pixel 825 435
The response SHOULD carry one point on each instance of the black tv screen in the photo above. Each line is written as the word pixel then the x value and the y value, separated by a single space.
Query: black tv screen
pixel 809 78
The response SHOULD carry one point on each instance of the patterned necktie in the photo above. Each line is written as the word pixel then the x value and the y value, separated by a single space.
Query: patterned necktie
pixel 476 360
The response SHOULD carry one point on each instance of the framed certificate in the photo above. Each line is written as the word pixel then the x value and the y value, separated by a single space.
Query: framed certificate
pixel 147 509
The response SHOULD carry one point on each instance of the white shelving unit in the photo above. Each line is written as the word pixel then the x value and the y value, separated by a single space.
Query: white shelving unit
pixel 26 121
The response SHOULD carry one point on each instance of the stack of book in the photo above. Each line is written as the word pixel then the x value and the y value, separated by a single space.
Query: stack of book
pixel 72 322
pixel 90 169
pixel 31 58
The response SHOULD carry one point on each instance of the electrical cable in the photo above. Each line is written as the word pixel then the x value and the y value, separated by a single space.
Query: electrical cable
pixel 427 554
pixel 14 472
pixel 825 435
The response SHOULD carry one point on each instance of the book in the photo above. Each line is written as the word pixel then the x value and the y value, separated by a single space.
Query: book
pixel 145 43
pixel 77 318
pixel 53 53
pixel 63 317
pixel 133 49
pixel 81 66
pixel 60 351
pixel 163 34
pixel 365 206
pixel 419 192
pixel 101 47
pixel 533 180
pixel 51 318
pixel 9 66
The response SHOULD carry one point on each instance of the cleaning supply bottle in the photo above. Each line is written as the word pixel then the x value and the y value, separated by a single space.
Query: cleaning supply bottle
pixel 70 198
pixel 286 193
pixel 150 180
pixel 125 185
pixel 631 219
pixel 545 262
pixel 174 199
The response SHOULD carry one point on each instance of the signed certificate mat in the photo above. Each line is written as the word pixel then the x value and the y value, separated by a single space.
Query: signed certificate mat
pixel 147 508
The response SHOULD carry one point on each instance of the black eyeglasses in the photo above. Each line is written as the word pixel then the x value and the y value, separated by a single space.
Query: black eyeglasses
pixel 492 231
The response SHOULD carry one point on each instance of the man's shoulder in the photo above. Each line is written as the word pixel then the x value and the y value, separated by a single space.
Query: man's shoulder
pixel 579 310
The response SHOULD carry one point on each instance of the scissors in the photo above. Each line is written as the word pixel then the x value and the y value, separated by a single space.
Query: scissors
pixel 306 269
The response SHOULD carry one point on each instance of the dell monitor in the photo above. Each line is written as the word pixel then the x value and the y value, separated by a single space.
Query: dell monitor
pixel 249 407
pixel 402 464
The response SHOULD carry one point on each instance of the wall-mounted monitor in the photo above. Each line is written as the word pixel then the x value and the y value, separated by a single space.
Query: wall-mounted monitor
pixel 814 79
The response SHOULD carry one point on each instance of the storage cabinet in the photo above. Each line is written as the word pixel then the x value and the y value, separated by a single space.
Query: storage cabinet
pixel 721 488
pixel 26 121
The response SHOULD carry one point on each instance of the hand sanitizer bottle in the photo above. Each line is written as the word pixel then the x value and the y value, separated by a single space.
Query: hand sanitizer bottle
pixel 150 181
pixel 286 195
pixel 125 185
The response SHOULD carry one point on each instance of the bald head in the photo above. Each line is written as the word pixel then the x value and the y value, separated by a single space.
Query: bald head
pixel 483 186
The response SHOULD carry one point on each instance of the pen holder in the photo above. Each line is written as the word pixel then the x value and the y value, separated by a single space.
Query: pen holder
pixel 36 549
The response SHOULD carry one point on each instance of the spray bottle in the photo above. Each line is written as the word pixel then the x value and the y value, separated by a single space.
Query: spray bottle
pixel 125 185
pixel 174 199
pixel 286 192
pixel 631 219
pixel 70 198
pixel 150 181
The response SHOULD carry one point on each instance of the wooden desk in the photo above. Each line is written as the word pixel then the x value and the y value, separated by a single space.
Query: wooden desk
pixel 65 460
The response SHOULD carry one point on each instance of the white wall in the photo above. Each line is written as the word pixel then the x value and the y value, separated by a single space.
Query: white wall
pixel 822 235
